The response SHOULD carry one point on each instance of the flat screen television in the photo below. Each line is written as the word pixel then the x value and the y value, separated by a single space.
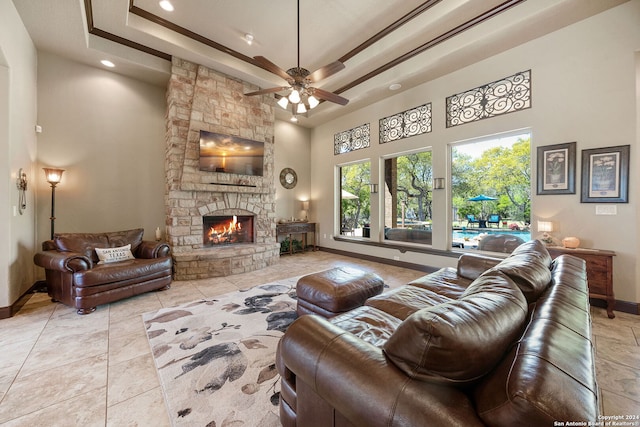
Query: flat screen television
pixel 230 154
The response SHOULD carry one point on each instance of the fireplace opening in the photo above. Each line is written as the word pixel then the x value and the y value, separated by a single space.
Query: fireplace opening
pixel 227 229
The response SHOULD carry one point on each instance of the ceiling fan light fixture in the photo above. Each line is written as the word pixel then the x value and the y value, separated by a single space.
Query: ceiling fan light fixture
pixel 313 101
pixel 300 80
pixel 283 102
pixel 294 97
pixel 294 119
pixel 301 108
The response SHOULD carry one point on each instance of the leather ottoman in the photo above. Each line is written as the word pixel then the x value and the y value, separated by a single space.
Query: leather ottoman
pixel 332 292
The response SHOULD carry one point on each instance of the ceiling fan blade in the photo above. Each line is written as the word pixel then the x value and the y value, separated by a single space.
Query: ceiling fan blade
pixel 270 66
pixel 270 90
pixel 329 96
pixel 326 71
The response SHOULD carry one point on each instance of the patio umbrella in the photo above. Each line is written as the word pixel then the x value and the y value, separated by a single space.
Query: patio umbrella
pixel 481 198
pixel 347 195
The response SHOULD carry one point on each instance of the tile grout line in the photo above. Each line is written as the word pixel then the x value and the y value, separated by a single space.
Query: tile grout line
pixel 35 342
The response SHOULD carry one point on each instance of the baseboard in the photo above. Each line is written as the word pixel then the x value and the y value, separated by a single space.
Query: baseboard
pixel 6 312
pixel 412 266
pixel 622 306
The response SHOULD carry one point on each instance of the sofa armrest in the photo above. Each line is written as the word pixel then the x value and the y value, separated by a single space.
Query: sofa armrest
pixel 62 261
pixel 357 379
pixel 149 249
pixel 471 266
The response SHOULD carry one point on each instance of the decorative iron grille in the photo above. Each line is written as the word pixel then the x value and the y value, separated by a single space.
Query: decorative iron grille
pixel 414 121
pixel 503 96
pixel 351 140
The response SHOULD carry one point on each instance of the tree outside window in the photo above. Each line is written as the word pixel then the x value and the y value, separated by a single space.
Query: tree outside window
pixel 355 198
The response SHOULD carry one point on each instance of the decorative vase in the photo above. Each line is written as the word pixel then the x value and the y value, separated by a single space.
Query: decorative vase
pixel 571 242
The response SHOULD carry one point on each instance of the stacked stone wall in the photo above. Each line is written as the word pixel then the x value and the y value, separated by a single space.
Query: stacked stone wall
pixel 199 98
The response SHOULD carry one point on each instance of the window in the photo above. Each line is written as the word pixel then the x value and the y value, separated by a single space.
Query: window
pixel 491 193
pixel 355 206
pixel 408 202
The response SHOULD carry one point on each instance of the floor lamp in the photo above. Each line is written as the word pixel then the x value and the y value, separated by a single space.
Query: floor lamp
pixel 53 177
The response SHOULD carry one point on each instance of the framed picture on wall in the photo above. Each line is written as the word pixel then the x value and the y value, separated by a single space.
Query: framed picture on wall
pixel 605 175
pixel 557 169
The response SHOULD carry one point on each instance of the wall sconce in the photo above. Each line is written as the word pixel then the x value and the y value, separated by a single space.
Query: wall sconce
pixel 438 183
pixel 21 183
pixel 54 176
pixel 373 188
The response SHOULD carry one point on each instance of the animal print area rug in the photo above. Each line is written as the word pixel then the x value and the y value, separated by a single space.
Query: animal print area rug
pixel 216 357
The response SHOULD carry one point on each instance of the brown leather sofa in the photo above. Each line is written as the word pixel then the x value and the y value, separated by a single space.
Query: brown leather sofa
pixel 413 235
pixel 75 278
pixel 491 342
pixel 499 243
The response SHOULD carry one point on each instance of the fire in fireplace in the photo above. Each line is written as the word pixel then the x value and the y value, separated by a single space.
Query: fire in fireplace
pixel 228 229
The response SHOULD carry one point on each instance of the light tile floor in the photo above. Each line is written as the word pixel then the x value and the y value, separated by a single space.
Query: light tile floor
pixel 61 369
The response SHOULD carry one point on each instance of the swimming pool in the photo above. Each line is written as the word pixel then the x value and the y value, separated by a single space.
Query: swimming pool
pixel 472 234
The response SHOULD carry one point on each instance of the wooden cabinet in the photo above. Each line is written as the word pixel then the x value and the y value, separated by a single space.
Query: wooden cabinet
pixel 301 228
pixel 599 272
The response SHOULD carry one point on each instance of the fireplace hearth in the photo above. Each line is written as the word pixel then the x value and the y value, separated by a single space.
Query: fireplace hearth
pixel 227 230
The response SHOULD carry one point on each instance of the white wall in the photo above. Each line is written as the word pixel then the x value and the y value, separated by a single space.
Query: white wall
pixel 292 150
pixel 583 81
pixel 107 131
pixel 18 62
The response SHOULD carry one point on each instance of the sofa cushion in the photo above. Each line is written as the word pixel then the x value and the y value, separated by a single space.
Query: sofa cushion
pixel 121 238
pixel 107 255
pixel 82 243
pixel 529 266
pixel 368 323
pixel 85 243
pixel 459 341
pixel 406 300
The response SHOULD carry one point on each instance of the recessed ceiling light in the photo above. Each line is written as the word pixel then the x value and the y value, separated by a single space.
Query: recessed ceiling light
pixel 395 86
pixel 166 5
pixel 248 38
pixel 107 63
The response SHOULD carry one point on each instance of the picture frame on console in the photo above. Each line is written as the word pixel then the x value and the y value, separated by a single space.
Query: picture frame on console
pixel 556 169
pixel 605 175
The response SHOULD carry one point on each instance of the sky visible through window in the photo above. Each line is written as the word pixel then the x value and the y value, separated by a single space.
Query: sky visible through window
pixel 476 148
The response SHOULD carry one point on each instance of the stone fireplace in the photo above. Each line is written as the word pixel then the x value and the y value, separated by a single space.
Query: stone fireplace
pixel 199 98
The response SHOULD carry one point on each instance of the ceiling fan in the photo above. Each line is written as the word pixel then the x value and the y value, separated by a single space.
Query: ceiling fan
pixel 302 96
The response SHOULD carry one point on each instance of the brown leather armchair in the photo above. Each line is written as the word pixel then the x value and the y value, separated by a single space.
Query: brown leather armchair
pixel 75 277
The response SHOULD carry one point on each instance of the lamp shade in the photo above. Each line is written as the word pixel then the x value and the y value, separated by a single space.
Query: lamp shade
pixel 305 205
pixel 283 102
pixel 54 176
pixel 313 101
pixel 294 97
pixel 545 226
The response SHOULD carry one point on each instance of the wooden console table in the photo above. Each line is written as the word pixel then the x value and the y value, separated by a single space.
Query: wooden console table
pixel 599 272
pixel 289 228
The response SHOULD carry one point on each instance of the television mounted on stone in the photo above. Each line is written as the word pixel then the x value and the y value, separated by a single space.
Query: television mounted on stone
pixel 230 154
